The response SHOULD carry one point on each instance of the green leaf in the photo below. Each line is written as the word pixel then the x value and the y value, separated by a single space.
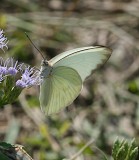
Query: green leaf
pixel 133 155
pixel 5 145
pixel 15 92
pixel 3 149
pixel 115 148
pixel 123 150
pixel 3 157
pixel 9 84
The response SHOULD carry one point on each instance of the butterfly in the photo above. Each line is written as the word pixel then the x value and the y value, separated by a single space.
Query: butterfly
pixel 63 76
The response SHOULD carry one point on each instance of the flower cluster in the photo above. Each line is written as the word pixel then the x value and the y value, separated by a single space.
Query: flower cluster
pixel 28 76
pixel 14 76
pixel 3 40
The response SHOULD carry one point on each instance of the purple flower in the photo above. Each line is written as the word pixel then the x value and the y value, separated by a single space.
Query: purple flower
pixel 3 70
pixel 3 40
pixel 9 66
pixel 13 67
pixel 30 77
pixel 12 71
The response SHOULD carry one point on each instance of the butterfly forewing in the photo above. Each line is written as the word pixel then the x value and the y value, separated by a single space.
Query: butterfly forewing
pixel 59 89
pixel 83 60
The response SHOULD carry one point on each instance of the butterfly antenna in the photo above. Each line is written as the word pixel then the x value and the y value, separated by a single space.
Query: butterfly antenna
pixel 34 45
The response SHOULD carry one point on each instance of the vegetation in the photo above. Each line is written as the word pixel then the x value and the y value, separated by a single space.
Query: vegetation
pixel 108 106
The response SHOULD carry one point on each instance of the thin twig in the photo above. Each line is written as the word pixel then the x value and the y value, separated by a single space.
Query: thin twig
pixel 101 152
pixel 81 150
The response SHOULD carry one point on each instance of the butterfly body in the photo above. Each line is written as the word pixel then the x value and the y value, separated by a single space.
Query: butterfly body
pixel 63 76
pixel 45 70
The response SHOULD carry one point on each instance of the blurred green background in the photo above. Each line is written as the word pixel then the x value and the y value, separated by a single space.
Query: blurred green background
pixel 108 106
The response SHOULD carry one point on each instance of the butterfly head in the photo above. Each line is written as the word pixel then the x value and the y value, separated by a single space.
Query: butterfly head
pixel 46 69
pixel 44 63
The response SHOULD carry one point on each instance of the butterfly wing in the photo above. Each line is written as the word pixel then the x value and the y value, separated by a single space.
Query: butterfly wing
pixel 83 60
pixel 60 89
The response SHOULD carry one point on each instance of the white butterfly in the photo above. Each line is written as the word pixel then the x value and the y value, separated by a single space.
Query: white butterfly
pixel 63 76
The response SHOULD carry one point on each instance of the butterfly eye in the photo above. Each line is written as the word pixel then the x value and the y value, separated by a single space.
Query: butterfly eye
pixel 44 63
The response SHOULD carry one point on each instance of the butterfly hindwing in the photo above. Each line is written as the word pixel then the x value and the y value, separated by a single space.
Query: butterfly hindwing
pixel 60 89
